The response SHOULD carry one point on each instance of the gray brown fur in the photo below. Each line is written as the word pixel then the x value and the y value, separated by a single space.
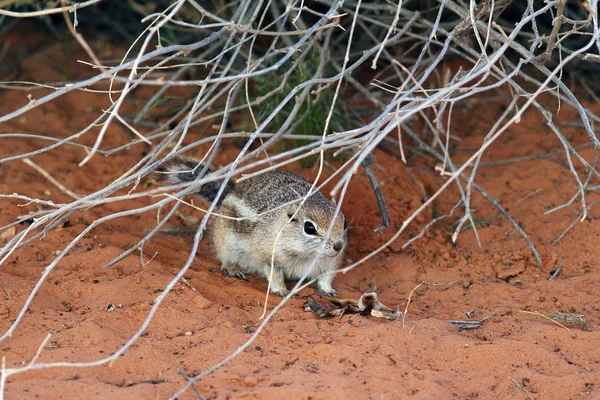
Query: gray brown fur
pixel 182 170
pixel 260 216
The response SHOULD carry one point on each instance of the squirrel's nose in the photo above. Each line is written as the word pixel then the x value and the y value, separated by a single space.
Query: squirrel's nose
pixel 338 246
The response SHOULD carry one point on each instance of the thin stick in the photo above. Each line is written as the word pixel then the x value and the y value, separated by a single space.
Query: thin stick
pixel 385 215
pixel 13 248
pixel 51 179
pixel 530 195
pixel 192 383
pixel 555 274
pixel 408 302
pixel 76 35
pixel 39 351
pixel 522 388
pixel 48 11
pixel 539 314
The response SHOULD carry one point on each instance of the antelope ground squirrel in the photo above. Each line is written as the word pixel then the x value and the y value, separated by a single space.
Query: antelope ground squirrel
pixel 261 217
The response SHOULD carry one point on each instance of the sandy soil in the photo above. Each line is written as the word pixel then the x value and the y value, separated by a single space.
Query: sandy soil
pixel 515 354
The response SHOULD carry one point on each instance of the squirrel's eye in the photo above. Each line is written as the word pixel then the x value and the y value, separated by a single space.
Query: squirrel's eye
pixel 309 228
pixel 345 224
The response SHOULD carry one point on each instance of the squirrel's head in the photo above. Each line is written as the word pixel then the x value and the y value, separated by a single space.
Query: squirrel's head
pixel 307 227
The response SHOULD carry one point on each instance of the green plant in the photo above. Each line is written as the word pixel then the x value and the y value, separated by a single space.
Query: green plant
pixel 314 109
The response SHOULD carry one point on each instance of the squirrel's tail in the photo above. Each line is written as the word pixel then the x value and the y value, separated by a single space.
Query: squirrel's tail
pixel 187 170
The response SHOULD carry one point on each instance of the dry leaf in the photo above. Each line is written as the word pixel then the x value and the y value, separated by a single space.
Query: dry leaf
pixel 367 304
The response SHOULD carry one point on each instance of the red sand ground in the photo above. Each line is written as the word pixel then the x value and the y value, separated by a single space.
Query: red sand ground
pixel 298 356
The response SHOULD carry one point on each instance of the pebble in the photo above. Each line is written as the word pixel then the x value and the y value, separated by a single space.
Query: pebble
pixel 251 381
pixel 386 350
pixel 143 307
pixel 8 233
pixel 505 272
pixel 201 302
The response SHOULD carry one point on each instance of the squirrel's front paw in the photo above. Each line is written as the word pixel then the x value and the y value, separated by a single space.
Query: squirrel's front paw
pixel 330 292
pixel 282 292
pixel 324 287
pixel 233 271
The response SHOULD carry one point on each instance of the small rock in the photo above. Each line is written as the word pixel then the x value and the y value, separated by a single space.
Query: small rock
pixel 386 350
pixel 506 272
pixel 395 246
pixel 4 312
pixel 143 307
pixel 201 302
pixel 558 304
pixel 8 233
pixel 251 381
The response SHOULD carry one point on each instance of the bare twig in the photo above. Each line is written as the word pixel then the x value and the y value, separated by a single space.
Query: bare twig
pixel 539 314
pixel 385 215
pixel 556 272
pixel 470 323
pixel 408 302
pixel 194 387
pixel 51 179
pixel 48 11
pixel 522 388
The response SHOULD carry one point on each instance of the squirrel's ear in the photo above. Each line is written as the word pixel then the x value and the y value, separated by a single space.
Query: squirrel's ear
pixel 291 210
